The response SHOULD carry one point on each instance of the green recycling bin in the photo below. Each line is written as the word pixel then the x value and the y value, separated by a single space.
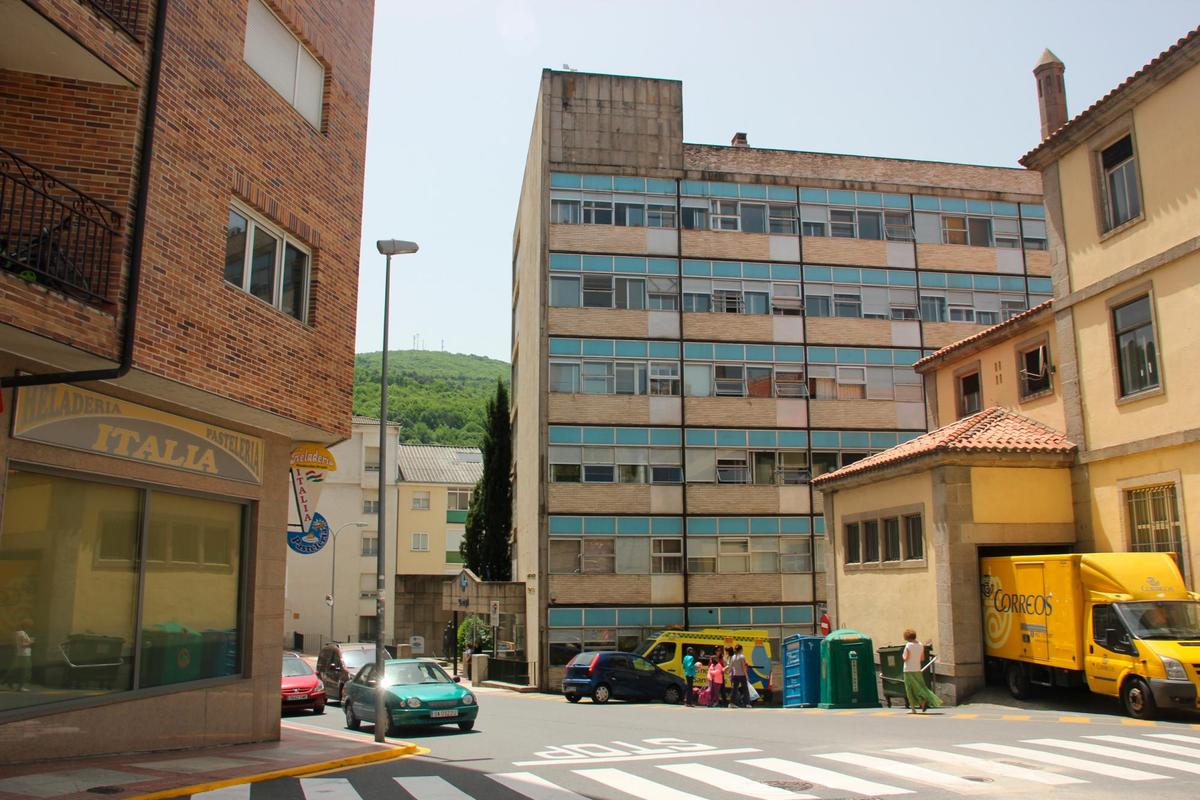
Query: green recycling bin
pixel 891 672
pixel 848 671
pixel 171 653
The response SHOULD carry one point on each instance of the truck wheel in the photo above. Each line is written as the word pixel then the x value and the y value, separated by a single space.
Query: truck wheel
pixel 1138 699
pixel 1017 678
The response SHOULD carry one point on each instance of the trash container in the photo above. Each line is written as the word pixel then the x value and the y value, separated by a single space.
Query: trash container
pixel 848 671
pixel 891 672
pixel 92 659
pixel 801 671
pixel 171 653
pixel 220 653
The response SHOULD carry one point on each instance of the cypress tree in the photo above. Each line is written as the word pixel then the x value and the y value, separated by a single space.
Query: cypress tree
pixel 485 548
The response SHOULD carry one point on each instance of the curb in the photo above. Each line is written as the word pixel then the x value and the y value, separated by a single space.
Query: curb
pixel 389 754
pixel 518 688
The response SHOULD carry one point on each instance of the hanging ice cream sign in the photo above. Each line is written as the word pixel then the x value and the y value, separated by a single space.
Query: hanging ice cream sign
pixel 309 463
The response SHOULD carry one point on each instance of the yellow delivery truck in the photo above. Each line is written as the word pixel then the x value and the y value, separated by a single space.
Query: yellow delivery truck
pixel 668 648
pixel 1123 624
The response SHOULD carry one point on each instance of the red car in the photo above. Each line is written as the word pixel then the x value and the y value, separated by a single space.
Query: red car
pixel 301 688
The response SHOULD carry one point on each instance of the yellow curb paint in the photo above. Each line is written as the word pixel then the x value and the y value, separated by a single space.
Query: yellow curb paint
pixel 420 751
pixel 388 754
pixel 964 716
pixel 1146 723
pixel 1016 717
pixel 1078 720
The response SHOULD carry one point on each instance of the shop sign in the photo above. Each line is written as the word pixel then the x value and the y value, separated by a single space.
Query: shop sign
pixel 68 416
pixel 313 456
pixel 310 541
pixel 309 463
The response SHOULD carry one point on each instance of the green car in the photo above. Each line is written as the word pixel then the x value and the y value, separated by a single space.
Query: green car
pixel 418 692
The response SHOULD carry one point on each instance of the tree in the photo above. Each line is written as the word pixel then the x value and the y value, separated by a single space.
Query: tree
pixel 485 547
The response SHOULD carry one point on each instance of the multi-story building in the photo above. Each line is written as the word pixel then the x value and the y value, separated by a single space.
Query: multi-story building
pixel 699 330
pixel 330 594
pixel 435 488
pixel 180 187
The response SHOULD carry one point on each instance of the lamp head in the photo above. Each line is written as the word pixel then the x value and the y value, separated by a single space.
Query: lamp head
pixel 395 247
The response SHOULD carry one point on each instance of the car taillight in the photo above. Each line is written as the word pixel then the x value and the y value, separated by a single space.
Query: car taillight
pixel 592 665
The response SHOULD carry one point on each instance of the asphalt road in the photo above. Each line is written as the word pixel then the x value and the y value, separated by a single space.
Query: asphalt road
pixel 540 747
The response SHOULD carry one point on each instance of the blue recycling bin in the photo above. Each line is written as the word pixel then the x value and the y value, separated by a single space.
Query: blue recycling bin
pixel 801 671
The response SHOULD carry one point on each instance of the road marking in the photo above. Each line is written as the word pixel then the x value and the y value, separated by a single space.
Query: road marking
pixel 901 769
pixel 1077 720
pixel 1058 760
pixel 1016 717
pixel 1162 747
pixel 328 789
pixel 824 777
pixel 1176 737
pixel 984 765
pixel 734 784
pixel 1124 755
pixel 1147 723
pixel 431 787
pixel 542 762
pixel 533 786
pixel 632 784
pixel 238 792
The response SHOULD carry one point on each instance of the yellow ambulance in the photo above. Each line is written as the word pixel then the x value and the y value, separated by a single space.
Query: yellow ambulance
pixel 668 648
pixel 1123 624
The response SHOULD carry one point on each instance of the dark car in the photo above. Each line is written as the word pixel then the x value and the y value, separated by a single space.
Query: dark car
pixel 418 692
pixel 300 687
pixel 608 675
pixel 338 662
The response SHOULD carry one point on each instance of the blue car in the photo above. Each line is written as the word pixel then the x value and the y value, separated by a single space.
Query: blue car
pixel 613 675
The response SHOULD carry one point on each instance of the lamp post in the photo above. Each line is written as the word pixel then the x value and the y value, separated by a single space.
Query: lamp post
pixel 388 248
pixel 333 568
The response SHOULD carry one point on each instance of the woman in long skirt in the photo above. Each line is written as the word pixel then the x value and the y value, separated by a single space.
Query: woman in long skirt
pixel 914 678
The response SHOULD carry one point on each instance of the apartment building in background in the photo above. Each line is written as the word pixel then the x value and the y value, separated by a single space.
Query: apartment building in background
pixel 698 331
pixel 330 594
pixel 180 189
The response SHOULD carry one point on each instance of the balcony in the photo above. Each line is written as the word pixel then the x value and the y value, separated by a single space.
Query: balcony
pixel 125 14
pixel 53 234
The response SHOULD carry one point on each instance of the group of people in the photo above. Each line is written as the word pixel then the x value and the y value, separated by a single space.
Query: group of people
pixel 727 675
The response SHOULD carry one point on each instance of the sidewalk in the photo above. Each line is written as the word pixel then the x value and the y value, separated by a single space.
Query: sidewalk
pixel 156 776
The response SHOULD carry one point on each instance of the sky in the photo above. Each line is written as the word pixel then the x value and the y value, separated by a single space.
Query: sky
pixel 454 83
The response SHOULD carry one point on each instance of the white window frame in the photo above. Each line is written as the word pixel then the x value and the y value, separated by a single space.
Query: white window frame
pixel 419 542
pixel 300 51
pixel 255 221
pixel 420 501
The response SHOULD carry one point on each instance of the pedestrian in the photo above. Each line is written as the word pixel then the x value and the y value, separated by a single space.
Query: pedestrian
pixel 467 661
pixel 727 695
pixel 22 664
pixel 716 678
pixel 689 675
pixel 915 689
pixel 737 669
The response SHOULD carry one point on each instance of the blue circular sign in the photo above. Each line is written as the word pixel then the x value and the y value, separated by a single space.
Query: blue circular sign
pixel 311 541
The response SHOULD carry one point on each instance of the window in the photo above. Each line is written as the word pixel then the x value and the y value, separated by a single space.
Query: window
pixel 1121 195
pixel 870 535
pixel 729 380
pixel 794 555
pixel 702 555
pixel 564 377
pixel 1034 370
pixel 420 501
pixel 914 538
pixel 370 506
pixel 933 308
pixel 277 56
pixel 1105 619
pixel 564 291
pixel 454 542
pixel 734 556
pixel 666 556
pixel 263 261
pixel 847 304
pixel 419 543
pixel 598 377
pixel 1154 522
pixel 853 544
pixel 597 212
pixel 783 218
pixel 732 468
pixel 891 539
pixel 370 545
pixel 597 291
pixel 564 212
pixel 970 396
pixel 458 499
pixel 599 556
pixel 1137 351
pixel 898 226
pixel 664 378
pixel 790 383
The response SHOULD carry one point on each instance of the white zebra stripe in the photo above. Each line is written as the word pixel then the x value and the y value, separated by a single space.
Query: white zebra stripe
pixel 1117 753
pixel 239 792
pixel 431 787
pixel 902 769
pixel 824 777
pixel 328 789
pixel 1162 747
pixel 733 784
pixel 985 766
pixel 1059 760
pixel 635 785
pixel 533 786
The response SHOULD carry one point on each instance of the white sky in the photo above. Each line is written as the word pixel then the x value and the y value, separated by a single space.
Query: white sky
pixel 453 87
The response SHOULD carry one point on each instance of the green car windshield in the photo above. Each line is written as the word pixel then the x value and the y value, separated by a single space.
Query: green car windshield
pixel 413 673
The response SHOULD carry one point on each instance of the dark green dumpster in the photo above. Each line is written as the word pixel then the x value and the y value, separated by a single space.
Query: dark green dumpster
pixel 891 672
pixel 848 671
pixel 171 653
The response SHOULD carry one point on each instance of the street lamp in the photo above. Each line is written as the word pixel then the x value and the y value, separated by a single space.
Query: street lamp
pixel 333 568
pixel 388 248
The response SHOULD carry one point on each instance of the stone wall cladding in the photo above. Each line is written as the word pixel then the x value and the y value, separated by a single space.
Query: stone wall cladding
pixel 591 408
pixel 855 252
pixel 598 239
pixel 722 589
pixel 728 327
pixel 615 322
pixel 956 257
pixel 707 498
pixel 1037 262
pixel 940 334
pixel 591 498
pixel 726 245
pixel 566 589
pixel 852 413
pixel 844 330
pixel 754 412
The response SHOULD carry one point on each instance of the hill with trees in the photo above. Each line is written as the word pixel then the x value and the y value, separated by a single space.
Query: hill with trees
pixel 438 398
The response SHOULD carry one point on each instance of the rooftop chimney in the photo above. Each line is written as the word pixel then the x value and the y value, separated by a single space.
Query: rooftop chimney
pixel 1052 93
pixel 739 140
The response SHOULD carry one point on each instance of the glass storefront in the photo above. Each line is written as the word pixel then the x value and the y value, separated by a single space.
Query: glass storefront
pixel 81 561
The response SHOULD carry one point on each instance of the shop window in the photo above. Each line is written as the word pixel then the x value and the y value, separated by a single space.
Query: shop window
pixel 1136 346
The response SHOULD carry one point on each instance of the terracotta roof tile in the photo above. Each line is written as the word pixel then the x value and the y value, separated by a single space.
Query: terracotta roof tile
pixel 986 333
pixel 994 430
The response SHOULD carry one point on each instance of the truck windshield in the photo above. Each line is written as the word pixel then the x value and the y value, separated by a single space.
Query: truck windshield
pixel 1164 620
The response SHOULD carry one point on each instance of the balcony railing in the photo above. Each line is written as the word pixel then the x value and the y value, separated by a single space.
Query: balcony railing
pixel 52 233
pixel 125 14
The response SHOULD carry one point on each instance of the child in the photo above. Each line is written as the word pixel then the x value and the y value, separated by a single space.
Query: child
pixel 914 678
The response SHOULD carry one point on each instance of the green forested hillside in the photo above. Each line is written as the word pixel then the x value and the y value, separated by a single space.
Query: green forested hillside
pixel 438 398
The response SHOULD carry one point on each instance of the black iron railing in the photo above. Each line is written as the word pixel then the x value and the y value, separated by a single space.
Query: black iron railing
pixel 125 14
pixel 54 234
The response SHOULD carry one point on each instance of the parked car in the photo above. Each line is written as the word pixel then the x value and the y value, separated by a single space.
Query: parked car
pixel 300 686
pixel 338 662
pixel 419 692
pixel 604 676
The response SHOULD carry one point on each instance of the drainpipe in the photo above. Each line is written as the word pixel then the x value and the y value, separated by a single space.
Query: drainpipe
pixel 138 233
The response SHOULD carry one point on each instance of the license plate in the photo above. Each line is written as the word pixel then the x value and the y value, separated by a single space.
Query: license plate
pixel 451 713
pixel 291 698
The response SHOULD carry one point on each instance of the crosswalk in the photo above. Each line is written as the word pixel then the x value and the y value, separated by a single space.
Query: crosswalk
pixel 1023 767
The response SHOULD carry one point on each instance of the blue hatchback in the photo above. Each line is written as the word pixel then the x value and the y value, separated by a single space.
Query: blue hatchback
pixel 612 675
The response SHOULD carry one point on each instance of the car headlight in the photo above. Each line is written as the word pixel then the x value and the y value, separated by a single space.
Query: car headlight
pixel 413 702
pixel 1175 670
pixel 468 699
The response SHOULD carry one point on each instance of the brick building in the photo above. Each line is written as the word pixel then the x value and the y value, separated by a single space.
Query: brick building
pixel 698 330
pixel 180 187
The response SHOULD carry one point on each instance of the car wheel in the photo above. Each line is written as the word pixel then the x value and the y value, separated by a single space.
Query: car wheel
pixel 319 709
pixel 672 695
pixel 1138 699
pixel 1017 678
pixel 601 694
pixel 352 721
pixel 572 698
pixel 466 726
